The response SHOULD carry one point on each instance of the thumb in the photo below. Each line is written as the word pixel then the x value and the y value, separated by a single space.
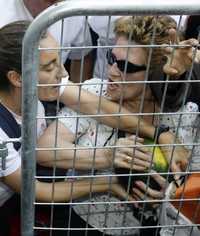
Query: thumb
pixel 169 70
pixel 176 168
pixel 183 164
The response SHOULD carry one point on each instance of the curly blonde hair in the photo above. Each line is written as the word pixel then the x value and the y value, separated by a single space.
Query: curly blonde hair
pixel 140 29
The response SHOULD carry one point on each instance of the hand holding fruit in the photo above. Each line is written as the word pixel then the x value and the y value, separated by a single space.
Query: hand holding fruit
pixel 131 154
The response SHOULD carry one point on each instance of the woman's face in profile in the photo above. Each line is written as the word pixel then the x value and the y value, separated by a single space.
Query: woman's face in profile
pixel 116 72
pixel 51 70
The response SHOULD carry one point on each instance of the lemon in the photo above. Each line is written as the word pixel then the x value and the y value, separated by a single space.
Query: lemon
pixel 160 165
pixel 159 160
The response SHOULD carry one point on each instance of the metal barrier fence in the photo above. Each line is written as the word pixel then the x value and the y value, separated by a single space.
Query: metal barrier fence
pixel 30 97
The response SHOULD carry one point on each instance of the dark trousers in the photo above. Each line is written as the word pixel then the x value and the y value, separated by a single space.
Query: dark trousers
pixel 9 214
pixel 61 220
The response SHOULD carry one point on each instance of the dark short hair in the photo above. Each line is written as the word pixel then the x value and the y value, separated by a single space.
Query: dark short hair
pixel 11 40
pixel 192 27
pixel 11 37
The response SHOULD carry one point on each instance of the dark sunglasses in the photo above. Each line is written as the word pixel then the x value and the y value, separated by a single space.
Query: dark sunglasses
pixel 122 64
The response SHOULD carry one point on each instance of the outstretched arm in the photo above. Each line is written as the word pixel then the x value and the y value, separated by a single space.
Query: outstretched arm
pixel 88 103
pixel 130 122
pixel 62 190
pixel 75 156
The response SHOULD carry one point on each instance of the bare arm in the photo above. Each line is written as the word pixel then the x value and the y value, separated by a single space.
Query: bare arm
pixel 177 156
pixel 62 190
pixel 89 105
pixel 84 158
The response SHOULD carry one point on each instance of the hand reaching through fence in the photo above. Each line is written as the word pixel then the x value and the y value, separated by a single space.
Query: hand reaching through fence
pixel 142 191
pixel 120 192
pixel 127 156
pixel 176 156
pixel 179 59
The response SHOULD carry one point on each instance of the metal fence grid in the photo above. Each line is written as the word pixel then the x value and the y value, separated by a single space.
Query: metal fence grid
pixel 29 147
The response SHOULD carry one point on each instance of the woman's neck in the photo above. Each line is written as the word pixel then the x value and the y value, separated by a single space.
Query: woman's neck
pixel 11 100
pixel 139 106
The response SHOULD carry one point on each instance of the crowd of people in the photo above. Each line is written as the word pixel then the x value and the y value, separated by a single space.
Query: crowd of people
pixel 120 80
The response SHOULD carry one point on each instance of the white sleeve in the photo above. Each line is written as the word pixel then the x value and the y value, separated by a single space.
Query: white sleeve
pixel 82 37
pixel 73 36
pixel 81 125
pixel 63 84
pixel 187 123
pixel 96 86
pixel 41 123
pixel 13 160
pixel 71 122
pixel 103 25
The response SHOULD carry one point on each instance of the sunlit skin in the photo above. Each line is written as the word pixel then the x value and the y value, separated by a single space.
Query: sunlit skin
pixel 130 93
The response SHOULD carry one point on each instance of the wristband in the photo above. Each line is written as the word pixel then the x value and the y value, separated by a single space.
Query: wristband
pixel 159 130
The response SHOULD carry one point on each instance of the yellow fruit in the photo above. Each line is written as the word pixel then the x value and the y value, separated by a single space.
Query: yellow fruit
pixel 159 160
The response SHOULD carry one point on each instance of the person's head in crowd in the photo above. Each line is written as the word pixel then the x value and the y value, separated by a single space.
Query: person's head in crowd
pixel 136 30
pixel 192 28
pixel 50 70
pixel 37 6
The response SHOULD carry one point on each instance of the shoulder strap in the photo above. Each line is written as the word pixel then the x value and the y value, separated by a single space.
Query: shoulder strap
pixel 13 130
pixel 121 134
pixel 10 126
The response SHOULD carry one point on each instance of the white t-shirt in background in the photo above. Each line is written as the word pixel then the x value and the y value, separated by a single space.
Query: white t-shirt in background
pixel 74 27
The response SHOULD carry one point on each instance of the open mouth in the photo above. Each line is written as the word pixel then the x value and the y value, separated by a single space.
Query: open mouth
pixel 55 88
pixel 112 86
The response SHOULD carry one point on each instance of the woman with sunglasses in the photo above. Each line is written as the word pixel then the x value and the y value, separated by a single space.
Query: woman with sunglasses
pixel 127 69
